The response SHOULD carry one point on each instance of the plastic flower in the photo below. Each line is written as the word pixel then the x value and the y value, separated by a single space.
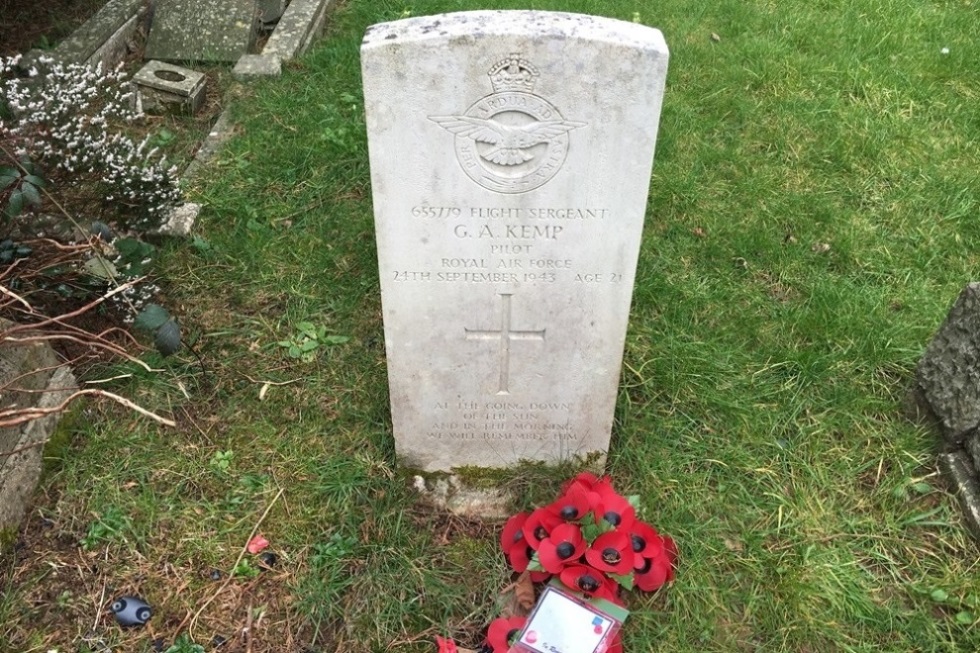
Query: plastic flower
pixel 572 505
pixel 650 574
pixel 512 537
pixel 448 645
pixel 564 546
pixel 614 508
pixel 646 542
pixel 612 553
pixel 589 581
pixel 539 525
pixel 503 632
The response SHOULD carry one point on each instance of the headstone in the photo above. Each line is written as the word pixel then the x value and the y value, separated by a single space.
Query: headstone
pixel 946 395
pixel 202 30
pixel 511 154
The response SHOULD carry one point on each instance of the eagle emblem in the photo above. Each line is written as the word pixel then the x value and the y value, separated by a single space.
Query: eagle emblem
pixel 513 140
pixel 511 144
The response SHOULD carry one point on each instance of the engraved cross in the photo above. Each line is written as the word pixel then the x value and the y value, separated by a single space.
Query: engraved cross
pixel 505 334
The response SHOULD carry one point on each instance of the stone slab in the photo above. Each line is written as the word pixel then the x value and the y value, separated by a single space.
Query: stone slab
pixel 202 30
pixel 251 66
pixel 949 371
pixel 511 154
pixel 296 28
pixel 30 375
pixel 110 25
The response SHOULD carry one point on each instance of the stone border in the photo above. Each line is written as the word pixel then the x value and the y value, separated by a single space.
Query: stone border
pixel 293 34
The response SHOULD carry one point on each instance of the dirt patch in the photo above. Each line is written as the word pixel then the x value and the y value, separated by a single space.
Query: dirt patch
pixel 26 25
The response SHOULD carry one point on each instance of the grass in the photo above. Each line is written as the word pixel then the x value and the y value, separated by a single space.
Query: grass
pixel 813 213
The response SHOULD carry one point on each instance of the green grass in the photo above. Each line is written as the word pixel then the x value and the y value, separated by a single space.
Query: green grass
pixel 813 213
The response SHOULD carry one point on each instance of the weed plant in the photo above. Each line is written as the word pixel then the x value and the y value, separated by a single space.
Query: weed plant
pixel 812 216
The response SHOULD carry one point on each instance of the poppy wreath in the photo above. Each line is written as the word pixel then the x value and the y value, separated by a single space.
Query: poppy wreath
pixel 591 539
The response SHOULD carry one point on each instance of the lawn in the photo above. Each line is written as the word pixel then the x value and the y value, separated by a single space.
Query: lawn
pixel 813 213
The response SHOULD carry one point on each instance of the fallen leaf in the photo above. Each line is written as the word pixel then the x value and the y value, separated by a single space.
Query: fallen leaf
pixel 517 599
pixel 820 248
pixel 715 38
pixel 699 232
pixel 257 544
pixel 733 545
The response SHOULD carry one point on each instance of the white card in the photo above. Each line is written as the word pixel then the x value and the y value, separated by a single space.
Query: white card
pixel 563 625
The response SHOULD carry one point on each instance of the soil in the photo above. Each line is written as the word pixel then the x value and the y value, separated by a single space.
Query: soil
pixel 26 24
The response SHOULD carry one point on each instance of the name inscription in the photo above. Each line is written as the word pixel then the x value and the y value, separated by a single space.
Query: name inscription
pixel 515 252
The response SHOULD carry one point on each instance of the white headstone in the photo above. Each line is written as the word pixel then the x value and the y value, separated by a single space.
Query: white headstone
pixel 511 154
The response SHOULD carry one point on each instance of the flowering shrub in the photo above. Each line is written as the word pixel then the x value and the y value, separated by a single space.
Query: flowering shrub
pixel 68 119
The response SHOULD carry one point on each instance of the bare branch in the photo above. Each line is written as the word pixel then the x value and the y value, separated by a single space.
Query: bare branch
pixel 16 416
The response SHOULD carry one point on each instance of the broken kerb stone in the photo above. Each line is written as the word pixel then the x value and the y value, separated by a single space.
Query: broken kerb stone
pixel 257 65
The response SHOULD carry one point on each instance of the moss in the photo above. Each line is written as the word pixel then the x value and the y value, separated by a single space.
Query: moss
pixel 70 423
pixel 8 537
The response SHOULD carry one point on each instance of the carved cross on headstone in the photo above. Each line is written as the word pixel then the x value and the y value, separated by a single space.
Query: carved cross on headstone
pixel 505 334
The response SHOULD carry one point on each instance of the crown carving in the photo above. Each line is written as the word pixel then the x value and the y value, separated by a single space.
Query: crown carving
pixel 513 74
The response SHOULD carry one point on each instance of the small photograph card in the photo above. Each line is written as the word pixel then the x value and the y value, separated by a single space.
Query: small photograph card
pixel 564 623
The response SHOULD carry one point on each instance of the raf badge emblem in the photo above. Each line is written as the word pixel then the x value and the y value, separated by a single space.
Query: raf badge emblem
pixel 512 140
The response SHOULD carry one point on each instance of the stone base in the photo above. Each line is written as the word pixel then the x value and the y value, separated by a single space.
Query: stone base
pixel 451 493
pixel 165 88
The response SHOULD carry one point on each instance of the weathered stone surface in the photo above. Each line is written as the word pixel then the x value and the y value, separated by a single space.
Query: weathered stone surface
pixel 164 87
pixel 271 10
pixel 220 132
pixel 510 161
pixel 958 468
pixel 296 29
pixel 251 66
pixel 202 30
pixel 949 371
pixel 29 376
pixel 103 36
pixel 179 220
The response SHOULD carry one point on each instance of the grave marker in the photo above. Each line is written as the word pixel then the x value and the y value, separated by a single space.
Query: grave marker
pixel 511 154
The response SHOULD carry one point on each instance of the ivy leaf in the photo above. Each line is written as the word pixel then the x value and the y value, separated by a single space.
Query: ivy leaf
pixel 34 179
pixel 101 268
pixel 152 317
pixel 167 339
pixel 16 203
pixel 7 177
pixel 31 195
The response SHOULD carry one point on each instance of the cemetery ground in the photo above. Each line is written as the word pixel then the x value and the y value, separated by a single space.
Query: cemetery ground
pixel 813 214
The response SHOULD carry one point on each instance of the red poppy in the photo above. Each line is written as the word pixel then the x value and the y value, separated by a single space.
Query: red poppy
pixel 539 525
pixel 572 505
pixel 647 543
pixel 589 581
pixel 615 509
pixel 446 645
pixel 587 480
pixel 611 552
pixel 652 573
pixel 564 546
pixel 503 632
pixel 512 536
